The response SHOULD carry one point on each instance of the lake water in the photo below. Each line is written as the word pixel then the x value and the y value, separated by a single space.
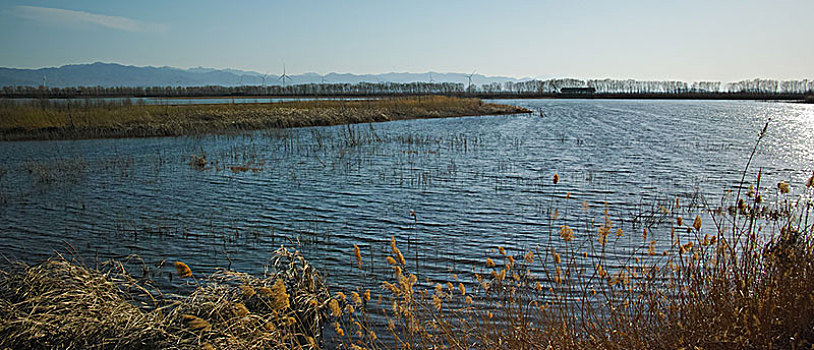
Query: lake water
pixel 474 183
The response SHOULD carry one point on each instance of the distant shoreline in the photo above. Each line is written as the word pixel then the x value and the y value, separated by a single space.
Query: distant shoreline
pixel 791 97
pixel 700 97
pixel 115 119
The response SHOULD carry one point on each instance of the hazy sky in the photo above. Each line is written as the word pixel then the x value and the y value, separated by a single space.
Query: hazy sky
pixel 686 40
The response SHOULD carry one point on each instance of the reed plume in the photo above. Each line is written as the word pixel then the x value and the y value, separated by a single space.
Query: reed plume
pixel 182 270
pixel 358 255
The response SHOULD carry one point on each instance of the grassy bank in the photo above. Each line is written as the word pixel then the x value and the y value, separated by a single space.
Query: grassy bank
pixel 47 120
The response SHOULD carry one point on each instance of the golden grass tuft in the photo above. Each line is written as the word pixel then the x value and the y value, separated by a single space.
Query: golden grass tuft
pixel 358 254
pixel 196 323
pixel 182 270
pixel 336 311
pixel 784 187
pixel 566 233
pixel 279 297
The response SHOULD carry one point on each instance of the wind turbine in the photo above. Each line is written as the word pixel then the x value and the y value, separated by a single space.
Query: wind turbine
pixel 44 80
pixel 264 79
pixel 469 87
pixel 431 81
pixel 284 76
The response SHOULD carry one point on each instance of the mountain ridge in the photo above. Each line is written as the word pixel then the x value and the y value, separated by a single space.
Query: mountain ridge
pixel 114 74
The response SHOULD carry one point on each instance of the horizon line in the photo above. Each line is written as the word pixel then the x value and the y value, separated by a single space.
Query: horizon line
pixel 526 78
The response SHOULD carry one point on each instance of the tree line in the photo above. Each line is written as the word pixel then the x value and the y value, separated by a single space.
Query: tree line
pixel 630 86
pixel 551 87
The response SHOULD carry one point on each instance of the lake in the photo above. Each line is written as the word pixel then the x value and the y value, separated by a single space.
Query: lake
pixel 472 183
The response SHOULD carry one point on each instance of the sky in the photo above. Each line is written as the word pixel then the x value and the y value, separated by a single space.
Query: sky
pixel 649 40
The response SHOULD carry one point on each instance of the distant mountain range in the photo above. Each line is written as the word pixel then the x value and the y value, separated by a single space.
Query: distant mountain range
pixel 113 74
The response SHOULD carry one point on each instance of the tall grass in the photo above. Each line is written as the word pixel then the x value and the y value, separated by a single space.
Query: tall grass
pixel 735 276
pixel 743 280
pixel 95 119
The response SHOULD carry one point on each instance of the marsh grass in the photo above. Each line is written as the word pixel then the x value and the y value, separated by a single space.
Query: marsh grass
pixel 56 170
pixel 734 282
pixel 734 278
pixel 64 304
pixel 100 119
pixel 59 305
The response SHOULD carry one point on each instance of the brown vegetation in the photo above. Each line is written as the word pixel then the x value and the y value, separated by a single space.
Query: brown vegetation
pixel 738 282
pixel 64 305
pixel 47 120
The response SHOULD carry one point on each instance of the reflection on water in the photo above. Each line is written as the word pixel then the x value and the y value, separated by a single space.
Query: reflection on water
pixel 473 183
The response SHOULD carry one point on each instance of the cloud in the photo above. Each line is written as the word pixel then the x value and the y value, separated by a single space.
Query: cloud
pixel 61 16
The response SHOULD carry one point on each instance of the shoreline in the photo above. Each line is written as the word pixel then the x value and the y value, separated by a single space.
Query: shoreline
pixel 126 120
pixel 734 96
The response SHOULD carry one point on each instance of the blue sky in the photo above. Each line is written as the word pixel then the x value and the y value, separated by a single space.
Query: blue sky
pixel 685 40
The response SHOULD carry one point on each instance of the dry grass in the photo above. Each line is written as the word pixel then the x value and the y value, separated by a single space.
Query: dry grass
pixel 742 280
pixel 739 282
pixel 60 305
pixel 63 305
pixel 45 120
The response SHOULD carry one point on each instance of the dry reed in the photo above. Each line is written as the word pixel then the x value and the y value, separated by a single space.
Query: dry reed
pixel 743 281
pixel 63 304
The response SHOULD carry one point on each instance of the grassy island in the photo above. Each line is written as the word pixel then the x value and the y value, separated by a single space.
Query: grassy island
pixel 98 119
